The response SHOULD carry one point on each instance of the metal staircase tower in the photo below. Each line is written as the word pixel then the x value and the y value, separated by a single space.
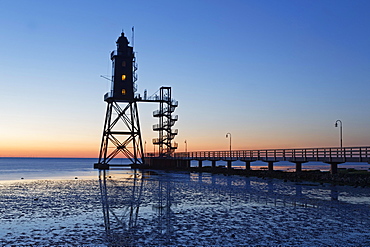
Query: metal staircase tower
pixel 166 134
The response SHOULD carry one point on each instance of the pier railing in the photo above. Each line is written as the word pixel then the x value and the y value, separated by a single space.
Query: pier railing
pixel 336 154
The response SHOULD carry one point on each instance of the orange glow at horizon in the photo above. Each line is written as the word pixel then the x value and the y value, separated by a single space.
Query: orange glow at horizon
pixel 50 153
pixel 89 147
pixel 48 150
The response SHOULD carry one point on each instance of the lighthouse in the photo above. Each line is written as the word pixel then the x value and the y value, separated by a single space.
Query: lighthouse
pixel 121 134
pixel 121 139
pixel 123 65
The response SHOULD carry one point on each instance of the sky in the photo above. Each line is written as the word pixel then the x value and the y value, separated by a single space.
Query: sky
pixel 274 74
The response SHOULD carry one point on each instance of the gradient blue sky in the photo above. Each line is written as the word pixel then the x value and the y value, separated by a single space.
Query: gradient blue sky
pixel 275 74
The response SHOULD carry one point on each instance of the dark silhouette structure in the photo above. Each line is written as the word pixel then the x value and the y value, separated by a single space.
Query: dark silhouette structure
pixel 122 134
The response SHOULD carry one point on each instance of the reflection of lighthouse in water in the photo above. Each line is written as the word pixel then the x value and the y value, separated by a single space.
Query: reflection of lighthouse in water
pixel 121 200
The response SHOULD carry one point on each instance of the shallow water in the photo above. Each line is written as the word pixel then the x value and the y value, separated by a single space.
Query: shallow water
pixel 182 209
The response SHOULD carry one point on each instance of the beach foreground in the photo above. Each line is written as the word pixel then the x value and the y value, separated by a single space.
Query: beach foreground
pixel 51 212
pixel 188 209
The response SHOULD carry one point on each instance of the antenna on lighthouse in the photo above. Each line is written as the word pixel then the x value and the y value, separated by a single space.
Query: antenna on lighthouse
pixel 133 35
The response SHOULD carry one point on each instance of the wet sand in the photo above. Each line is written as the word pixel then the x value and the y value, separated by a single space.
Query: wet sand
pixel 50 212
pixel 183 209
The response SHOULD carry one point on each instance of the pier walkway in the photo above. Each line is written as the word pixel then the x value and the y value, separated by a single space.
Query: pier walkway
pixel 332 156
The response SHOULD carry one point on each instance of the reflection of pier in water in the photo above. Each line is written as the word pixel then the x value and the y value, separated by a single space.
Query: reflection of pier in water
pixel 149 205
pixel 264 191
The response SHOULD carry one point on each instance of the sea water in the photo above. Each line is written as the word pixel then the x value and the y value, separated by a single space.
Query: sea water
pixel 46 168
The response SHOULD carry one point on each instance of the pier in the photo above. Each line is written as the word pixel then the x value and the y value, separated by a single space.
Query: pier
pixel 332 156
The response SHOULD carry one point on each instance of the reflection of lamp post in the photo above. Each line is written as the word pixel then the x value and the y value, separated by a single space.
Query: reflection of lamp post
pixel 229 135
pixel 341 132
pixel 186 147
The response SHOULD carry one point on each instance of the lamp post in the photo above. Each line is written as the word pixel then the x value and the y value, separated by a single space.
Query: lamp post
pixel 229 135
pixel 341 136
pixel 144 148
pixel 340 132
pixel 186 146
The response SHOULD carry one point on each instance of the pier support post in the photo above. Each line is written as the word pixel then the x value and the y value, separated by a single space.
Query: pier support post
pixel 213 163
pixel 334 167
pixel 298 166
pixel 200 165
pixel 229 163
pixel 247 165
pixel 270 166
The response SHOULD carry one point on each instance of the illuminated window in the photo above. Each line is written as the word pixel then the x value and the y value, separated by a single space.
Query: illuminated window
pixel 123 77
pixel 123 91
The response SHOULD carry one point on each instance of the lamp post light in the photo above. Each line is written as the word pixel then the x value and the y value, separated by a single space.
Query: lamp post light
pixel 340 132
pixel 229 135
